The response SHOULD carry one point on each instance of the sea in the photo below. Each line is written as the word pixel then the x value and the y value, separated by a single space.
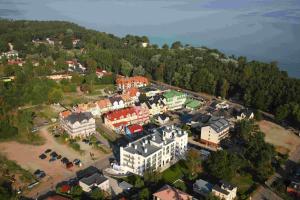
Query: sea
pixel 265 30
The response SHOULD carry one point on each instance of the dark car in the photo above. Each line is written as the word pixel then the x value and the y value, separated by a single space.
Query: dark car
pixel 54 154
pixel 42 156
pixel 39 174
pixel 58 157
pixel 69 165
pixel 48 151
pixel 73 181
pixel 65 160
pixel 52 159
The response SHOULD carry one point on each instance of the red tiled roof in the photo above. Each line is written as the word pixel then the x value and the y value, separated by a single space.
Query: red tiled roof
pixel 170 193
pixel 65 113
pixel 133 91
pixel 117 114
pixel 65 188
pixel 126 80
pixel 135 128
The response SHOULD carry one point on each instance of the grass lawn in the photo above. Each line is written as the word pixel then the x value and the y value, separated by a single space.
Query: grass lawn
pixel 173 173
pixel 245 184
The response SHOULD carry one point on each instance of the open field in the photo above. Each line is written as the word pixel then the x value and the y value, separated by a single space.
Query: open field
pixel 27 156
pixel 284 140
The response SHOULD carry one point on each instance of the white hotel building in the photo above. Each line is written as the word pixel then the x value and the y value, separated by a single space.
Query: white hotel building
pixel 79 124
pixel 156 151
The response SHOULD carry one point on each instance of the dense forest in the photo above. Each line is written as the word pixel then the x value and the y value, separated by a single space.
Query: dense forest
pixel 256 84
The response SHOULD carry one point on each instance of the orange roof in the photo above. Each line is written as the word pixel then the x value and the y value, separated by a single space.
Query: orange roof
pixel 126 97
pixel 65 113
pixel 103 103
pixel 126 80
pixel 170 193
pixel 117 114
pixel 133 91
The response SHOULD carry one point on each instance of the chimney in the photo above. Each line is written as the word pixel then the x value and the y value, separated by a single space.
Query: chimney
pixel 145 150
pixel 135 146
pixel 153 137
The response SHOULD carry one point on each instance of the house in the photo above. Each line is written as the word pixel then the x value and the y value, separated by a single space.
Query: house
pixel 170 193
pixel 101 73
pixel 144 44
pixel 74 66
pixel 157 151
pixel 117 120
pixel 133 93
pixel 149 91
pixel 64 114
pixel 174 99
pixel 225 191
pixel 78 124
pixel 202 187
pixel 162 118
pixel 17 61
pixel 91 107
pixel 156 105
pixel 94 181
pixel 125 186
pixel 218 106
pixel 10 54
pixel 116 102
pixel 104 105
pixel 133 129
pixel 214 131
pixel 244 114
pixel 59 77
pixel 293 188
pixel 193 104
pixel 124 83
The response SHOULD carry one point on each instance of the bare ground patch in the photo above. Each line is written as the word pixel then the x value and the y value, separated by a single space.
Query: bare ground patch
pixel 284 140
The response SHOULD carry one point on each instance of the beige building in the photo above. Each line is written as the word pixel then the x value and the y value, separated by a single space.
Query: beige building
pixel 78 124
pixel 225 191
pixel 214 131
pixel 94 181
pixel 156 151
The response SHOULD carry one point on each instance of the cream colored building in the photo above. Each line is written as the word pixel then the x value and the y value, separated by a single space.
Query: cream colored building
pixel 79 124
pixel 95 180
pixel 214 131
pixel 156 151
pixel 225 191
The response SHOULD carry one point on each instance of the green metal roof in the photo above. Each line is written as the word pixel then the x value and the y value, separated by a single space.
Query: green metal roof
pixel 172 93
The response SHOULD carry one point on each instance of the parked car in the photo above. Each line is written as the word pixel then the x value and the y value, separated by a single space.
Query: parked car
pixel 42 156
pixel 48 151
pixel 52 159
pixel 77 162
pixel 58 157
pixel 69 165
pixel 65 160
pixel 39 174
pixel 73 181
pixel 54 154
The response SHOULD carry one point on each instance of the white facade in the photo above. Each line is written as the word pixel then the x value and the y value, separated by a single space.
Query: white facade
pixel 215 131
pixel 225 192
pixel 79 125
pixel 156 151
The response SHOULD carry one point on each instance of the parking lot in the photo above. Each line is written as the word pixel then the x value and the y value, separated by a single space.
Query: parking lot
pixel 28 157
